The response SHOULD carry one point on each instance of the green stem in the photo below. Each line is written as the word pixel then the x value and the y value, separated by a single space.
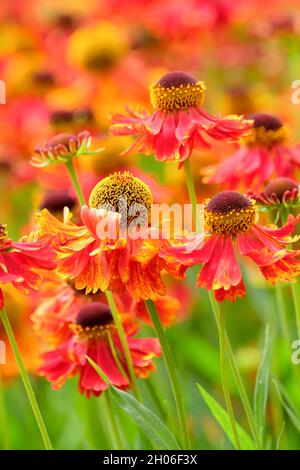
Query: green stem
pixel 26 381
pixel 233 364
pixel 170 366
pixel 71 169
pixel 124 342
pixel 222 335
pixel 279 292
pixel 296 298
pixel 237 378
pixel 115 355
pixel 156 397
pixel 191 189
pixel 3 419
pixel 113 423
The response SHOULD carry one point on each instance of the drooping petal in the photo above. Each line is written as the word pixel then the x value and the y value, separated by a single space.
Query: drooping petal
pixel 165 142
pixel 221 270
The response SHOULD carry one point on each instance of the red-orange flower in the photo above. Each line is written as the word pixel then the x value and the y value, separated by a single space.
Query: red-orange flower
pixel 61 148
pixel 231 226
pixel 279 191
pixel 89 330
pixel 265 154
pixel 21 261
pixel 110 259
pixel 178 124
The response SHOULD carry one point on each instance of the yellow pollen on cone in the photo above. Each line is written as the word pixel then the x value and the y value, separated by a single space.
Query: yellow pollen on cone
pixel 177 97
pixel 231 223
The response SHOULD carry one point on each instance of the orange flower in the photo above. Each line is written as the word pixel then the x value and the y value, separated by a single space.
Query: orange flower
pixel 265 154
pixel 110 259
pixel 76 325
pixel 178 124
pixel 20 262
pixel 231 226
pixel 62 148
pixel 279 191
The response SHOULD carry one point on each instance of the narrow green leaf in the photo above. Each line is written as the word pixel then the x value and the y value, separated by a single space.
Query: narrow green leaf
pixel 262 385
pixel 286 403
pixel 146 420
pixel 223 419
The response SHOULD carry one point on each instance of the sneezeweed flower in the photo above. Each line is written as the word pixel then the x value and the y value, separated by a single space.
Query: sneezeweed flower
pixel 100 254
pixel 61 148
pixel 279 191
pixel 20 262
pixel 265 154
pixel 178 124
pixel 231 226
pixel 93 333
pixel 55 201
pixel 97 47
pixel 79 119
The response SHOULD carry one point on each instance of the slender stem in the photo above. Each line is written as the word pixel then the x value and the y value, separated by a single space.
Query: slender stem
pixel 124 342
pixel 296 298
pixel 170 366
pixel 113 423
pixel 237 378
pixel 115 355
pixel 191 189
pixel 71 169
pixel 279 292
pixel 26 381
pixel 222 335
pixel 3 418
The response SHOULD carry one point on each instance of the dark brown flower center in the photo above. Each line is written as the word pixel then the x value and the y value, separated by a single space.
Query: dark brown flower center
pixel 268 121
pixel 43 78
pixel 93 321
pixel 228 201
pixel 176 79
pixel 267 131
pixel 229 213
pixel 94 314
pixel 176 90
pixel 55 201
pixel 61 116
pixel 279 187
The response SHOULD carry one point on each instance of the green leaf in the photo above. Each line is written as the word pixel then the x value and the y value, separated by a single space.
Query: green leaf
pixel 286 403
pixel 146 420
pixel 223 419
pixel 262 385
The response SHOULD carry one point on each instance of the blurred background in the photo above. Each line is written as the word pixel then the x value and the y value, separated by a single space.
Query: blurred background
pixel 66 67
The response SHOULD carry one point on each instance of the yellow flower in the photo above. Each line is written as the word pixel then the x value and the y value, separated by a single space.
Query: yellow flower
pixel 97 47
